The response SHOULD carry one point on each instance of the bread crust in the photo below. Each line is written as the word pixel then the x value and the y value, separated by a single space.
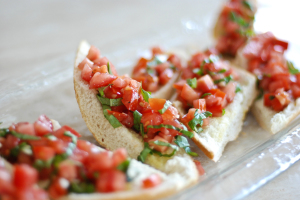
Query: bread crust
pixel 221 130
pixel 180 168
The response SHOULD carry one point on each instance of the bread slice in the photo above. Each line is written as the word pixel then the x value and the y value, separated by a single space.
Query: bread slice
pixel 269 119
pixel 221 130
pixel 180 166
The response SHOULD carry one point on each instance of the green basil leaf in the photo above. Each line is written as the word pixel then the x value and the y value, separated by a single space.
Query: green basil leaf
pixel 238 88
pixel 24 136
pixel 101 91
pixel 137 116
pixel 164 155
pixel 112 119
pixel 146 95
pixel 192 82
pixel 166 106
pixel 72 136
pixel 143 155
pixel 124 166
pixel 260 94
pixel 237 19
pixel 223 111
pixel 248 5
pixel 292 68
pixel 156 61
pixel 221 71
pixel 181 141
pixel 198 71
pixel 160 143
pixel 196 123
pixel 205 94
pixel 271 97
pixel 82 187
pixel 227 79
pixel 190 152
pixel 247 33
pixel 4 132
pixel 109 69
pixel 59 158
pixel 142 130
pixel 42 164
pixel 185 132
pixel 110 102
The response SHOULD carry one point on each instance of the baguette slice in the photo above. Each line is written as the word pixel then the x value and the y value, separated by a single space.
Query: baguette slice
pixel 268 119
pixel 180 166
pixel 221 130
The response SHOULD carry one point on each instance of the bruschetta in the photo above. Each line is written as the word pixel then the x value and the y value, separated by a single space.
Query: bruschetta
pixel 119 113
pixel 234 25
pixel 158 73
pixel 278 80
pixel 43 160
pixel 213 98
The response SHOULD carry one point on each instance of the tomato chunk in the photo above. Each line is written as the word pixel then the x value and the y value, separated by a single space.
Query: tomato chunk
pixel 200 104
pixel 199 167
pixel 111 181
pixel 101 79
pixel 93 53
pixel 24 176
pixel 43 153
pixel 189 94
pixel 205 83
pixel 152 181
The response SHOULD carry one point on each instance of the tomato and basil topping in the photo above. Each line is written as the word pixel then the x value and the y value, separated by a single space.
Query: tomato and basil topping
pixel 278 80
pixel 157 71
pixel 68 163
pixel 236 21
pixel 125 102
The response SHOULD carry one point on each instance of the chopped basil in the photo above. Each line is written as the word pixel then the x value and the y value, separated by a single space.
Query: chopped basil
pixel 82 187
pixel 124 166
pixel 239 20
pixel 164 155
pixel 109 69
pixel 24 136
pixel 112 119
pixel 198 71
pixel 143 155
pixel 173 67
pixel 4 132
pixel 205 94
pixel 190 152
pixel 72 136
pixel 291 68
pixel 146 95
pixel 248 5
pixel 101 91
pixel 156 61
pixel 185 132
pixel 221 71
pixel 110 102
pixel 238 88
pixel 271 97
pixel 137 116
pixel 142 130
pixel 227 79
pixel 260 94
pixel 247 33
pixel 42 164
pixel 198 120
pixel 166 106
pixel 181 141
pixel 24 147
pixel 160 143
pixel 223 111
pixel 192 82
pixel 150 71
pixel 59 158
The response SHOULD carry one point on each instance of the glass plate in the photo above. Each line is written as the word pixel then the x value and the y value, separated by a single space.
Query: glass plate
pixel 249 162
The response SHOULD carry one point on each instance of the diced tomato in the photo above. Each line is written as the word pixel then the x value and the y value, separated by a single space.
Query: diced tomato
pixel 43 125
pixel 200 104
pixel 175 123
pixel 87 73
pixel 267 99
pixel 187 73
pixel 156 50
pixel 58 145
pixel 67 169
pixel 60 133
pixel 157 104
pixel 113 93
pixel 125 119
pixel 175 60
pixel 229 90
pixel 165 134
pixel 295 91
pixel 101 61
pixel 100 69
pixel 119 83
pixel 160 68
pixel 199 167
pixel 205 83
pixel 119 156
pixel 43 141
pixel 119 109
pixel 6 186
pixel 24 176
pixel 158 147
pixel 93 53
pixel 85 146
pixel 25 159
pixel 142 63
pixel 58 188
pixel 170 114
pixel 165 76
pixel 111 181
pixel 25 128
pixel 100 161
pixel 130 98
pixel 152 181
pixel 11 141
pixel 101 79
pixel 43 153
pixel 84 62
pixel 189 94
pixel 151 119
pixel 179 85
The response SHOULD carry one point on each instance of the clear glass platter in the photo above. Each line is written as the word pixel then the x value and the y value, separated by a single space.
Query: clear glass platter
pixel 46 85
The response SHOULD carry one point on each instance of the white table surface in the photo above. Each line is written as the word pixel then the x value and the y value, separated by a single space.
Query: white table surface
pixel 33 33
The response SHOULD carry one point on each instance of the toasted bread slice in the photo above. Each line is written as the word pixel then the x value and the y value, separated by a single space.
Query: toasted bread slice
pixel 221 130
pixel 180 166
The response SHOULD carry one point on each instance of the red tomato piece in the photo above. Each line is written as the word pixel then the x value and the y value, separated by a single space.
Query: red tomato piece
pixel 59 146
pixel 43 125
pixel 113 93
pixel 157 50
pixel 295 91
pixel 85 146
pixel 151 119
pixel 165 76
pixel 189 94
pixel 119 109
pixel 125 119
pixel 200 104
pixel 152 181
pixel 25 159
pixel 58 188
pixel 43 153
pixel 267 99
pixel 84 62
pixel 100 69
pixel 6 186
pixel 157 104
pixel 175 60
pixel 25 128
pixel 160 68
pixel 119 83
pixel 175 123
pixel 199 167
pixel 158 147
pixel 67 170
pixel 179 85
pixel 142 63
pixel 229 90
pixel 24 176
pixel 87 73
pixel 60 133
pixel 170 114
pixel 205 83
pixel 119 156
pixel 111 181
pixel 130 98
pixel 100 161
pixel 11 142
pixel 101 79
pixel 93 53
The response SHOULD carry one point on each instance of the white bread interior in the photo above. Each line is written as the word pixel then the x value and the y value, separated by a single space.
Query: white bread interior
pixel 180 168
pixel 221 130
pixel 268 119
